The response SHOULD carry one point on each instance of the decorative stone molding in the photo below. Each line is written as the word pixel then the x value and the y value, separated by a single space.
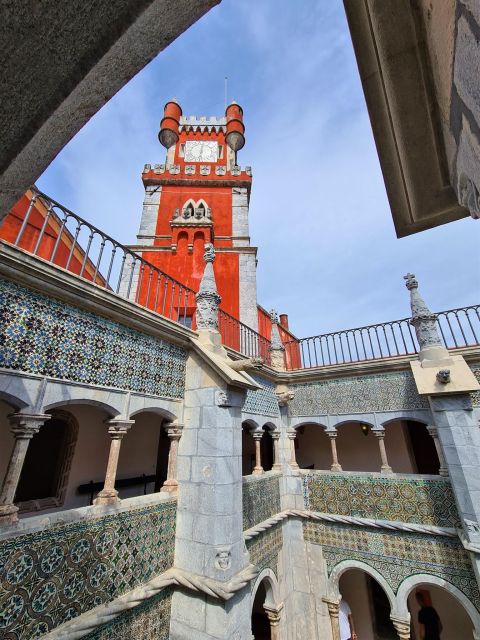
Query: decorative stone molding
pixel 468 195
pixel 207 297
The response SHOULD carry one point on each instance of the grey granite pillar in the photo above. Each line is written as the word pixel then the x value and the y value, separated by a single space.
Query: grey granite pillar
pixel 174 432
pixel 443 470
pixel 459 437
pixel 336 466
pixel 23 427
pixel 209 532
pixel 380 435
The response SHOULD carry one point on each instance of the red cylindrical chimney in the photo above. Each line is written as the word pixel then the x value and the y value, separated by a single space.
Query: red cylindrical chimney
pixel 284 320
pixel 170 123
pixel 235 128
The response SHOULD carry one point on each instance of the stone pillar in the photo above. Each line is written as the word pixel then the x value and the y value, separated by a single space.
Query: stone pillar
pixel 273 615
pixel 276 452
pixel 257 469
pixel 292 434
pixel 402 627
pixel 336 466
pixel 23 427
pixel 333 611
pixel 116 429
pixel 443 470
pixel 277 350
pixel 459 436
pixel 380 435
pixel 174 432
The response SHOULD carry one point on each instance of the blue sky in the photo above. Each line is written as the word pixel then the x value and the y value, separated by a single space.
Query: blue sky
pixel 328 254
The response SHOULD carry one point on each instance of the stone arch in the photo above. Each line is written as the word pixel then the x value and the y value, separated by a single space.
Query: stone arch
pixel 249 427
pixel 418 579
pixel 108 408
pixel 189 203
pixel 333 584
pixel 160 411
pixel 404 417
pixel 352 420
pixel 271 587
pixel 305 423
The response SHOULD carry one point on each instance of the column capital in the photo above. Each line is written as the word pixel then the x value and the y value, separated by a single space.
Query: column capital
pixel 25 425
pixel 333 606
pixel 378 433
pixel 257 435
pixel 174 430
pixel 402 627
pixel 118 427
pixel 275 435
pixel 292 434
pixel 331 433
pixel 432 430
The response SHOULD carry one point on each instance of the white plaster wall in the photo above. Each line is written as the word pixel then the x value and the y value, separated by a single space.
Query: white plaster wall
pixel 455 620
pixel 354 589
pixel 397 444
pixel 313 448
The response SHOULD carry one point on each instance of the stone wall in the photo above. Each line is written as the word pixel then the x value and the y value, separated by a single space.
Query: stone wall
pixel 44 336
pixel 361 394
pixel 395 555
pixel 53 575
pixel 415 500
pixel 261 498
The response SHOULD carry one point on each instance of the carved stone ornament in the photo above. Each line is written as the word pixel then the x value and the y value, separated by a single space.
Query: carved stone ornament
pixel 220 171
pixel 472 527
pixel 147 168
pixel 443 376
pixel 235 170
pixel 204 170
pixel 174 169
pixel 424 321
pixel 222 398
pixel 189 169
pixel 246 364
pixel 468 195
pixel 284 397
pixel 207 297
pixel 223 559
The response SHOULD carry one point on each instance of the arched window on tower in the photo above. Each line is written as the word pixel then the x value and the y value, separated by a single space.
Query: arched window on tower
pixel 44 476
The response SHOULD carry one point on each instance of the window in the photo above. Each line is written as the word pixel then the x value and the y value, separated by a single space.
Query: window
pixel 181 151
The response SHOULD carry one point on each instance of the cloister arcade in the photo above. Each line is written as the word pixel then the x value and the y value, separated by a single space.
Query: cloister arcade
pixel 266 607
pixel 260 450
pixel 380 613
pixel 98 456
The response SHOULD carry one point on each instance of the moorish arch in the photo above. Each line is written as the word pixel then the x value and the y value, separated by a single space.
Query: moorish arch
pixel 424 579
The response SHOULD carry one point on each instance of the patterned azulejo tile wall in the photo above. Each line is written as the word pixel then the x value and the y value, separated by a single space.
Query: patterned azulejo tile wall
pixel 264 401
pixel 47 337
pixel 149 621
pixel 261 499
pixel 264 549
pixel 476 394
pixel 362 394
pixel 415 500
pixel 396 555
pixel 51 576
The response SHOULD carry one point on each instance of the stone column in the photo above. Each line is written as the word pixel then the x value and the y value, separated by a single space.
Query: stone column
pixel 23 427
pixel 292 434
pixel 277 350
pixel 273 615
pixel 276 453
pixel 443 470
pixel 257 469
pixel 333 610
pixel 174 432
pixel 380 435
pixel 336 466
pixel 402 627
pixel 116 429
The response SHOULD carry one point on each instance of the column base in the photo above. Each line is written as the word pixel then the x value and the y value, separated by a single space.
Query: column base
pixel 169 486
pixel 336 467
pixel 257 471
pixel 443 471
pixel 386 470
pixel 277 467
pixel 107 496
pixel 8 514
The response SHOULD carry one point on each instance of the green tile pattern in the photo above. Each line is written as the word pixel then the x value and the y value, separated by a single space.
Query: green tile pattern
pixel 261 499
pixel 51 576
pixel 264 549
pixel 396 555
pixel 394 391
pixel 262 402
pixel 416 500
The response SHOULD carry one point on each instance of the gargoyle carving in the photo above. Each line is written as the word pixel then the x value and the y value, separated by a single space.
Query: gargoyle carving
pixel 284 397
pixel 246 364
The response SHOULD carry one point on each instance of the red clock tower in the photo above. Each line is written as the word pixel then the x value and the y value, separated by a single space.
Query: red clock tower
pixel 201 195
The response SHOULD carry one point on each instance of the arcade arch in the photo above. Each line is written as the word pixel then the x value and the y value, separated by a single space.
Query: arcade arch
pixel 266 608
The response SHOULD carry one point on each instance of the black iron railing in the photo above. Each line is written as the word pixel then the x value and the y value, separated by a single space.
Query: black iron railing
pixel 54 233
pixel 241 338
pixel 457 328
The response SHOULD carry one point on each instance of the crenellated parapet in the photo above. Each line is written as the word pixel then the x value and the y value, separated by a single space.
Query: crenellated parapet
pixel 198 170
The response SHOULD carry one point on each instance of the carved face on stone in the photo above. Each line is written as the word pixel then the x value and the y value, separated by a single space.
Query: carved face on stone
pixel 443 376
pixel 223 560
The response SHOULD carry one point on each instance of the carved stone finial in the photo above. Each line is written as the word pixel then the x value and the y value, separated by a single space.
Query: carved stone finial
pixel 425 323
pixel 274 316
pixel 411 282
pixel 207 297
